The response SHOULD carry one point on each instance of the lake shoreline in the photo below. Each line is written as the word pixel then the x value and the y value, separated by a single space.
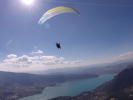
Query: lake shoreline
pixel 53 85
pixel 61 84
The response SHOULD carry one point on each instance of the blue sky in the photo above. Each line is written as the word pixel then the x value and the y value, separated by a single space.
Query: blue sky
pixel 103 30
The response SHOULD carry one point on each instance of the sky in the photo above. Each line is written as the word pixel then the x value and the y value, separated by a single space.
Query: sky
pixel 102 33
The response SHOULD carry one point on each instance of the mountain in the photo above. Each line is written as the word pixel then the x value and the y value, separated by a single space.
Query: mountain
pixel 97 69
pixel 17 85
pixel 120 88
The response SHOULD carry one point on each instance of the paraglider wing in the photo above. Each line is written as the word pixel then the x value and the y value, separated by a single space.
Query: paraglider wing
pixel 56 11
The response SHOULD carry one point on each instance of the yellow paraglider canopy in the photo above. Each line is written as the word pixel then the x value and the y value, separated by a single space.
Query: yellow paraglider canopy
pixel 56 11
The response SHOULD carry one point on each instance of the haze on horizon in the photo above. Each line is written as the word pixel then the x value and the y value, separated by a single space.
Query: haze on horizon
pixel 101 34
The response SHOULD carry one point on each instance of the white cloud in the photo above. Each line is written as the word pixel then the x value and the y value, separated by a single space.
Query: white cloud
pixel 38 52
pixel 26 63
pixel 127 55
pixel 121 57
pixel 11 56
pixel 117 58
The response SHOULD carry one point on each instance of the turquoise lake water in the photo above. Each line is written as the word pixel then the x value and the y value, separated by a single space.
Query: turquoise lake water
pixel 72 88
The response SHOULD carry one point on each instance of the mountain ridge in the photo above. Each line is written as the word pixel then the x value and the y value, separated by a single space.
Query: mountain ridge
pixel 18 85
pixel 120 88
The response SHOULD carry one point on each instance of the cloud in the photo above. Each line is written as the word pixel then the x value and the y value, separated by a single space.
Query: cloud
pixel 121 57
pixel 127 55
pixel 27 63
pixel 32 63
pixel 38 52
pixel 11 56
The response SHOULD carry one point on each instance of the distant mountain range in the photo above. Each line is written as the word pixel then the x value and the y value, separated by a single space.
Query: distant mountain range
pixel 18 85
pixel 120 88
pixel 97 69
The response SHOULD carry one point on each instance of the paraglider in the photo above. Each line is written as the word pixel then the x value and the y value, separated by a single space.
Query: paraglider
pixel 56 11
pixel 58 45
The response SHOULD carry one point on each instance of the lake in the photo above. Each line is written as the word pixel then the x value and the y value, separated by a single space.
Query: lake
pixel 72 88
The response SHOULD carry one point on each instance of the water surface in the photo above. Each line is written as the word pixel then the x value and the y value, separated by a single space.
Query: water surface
pixel 72 88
